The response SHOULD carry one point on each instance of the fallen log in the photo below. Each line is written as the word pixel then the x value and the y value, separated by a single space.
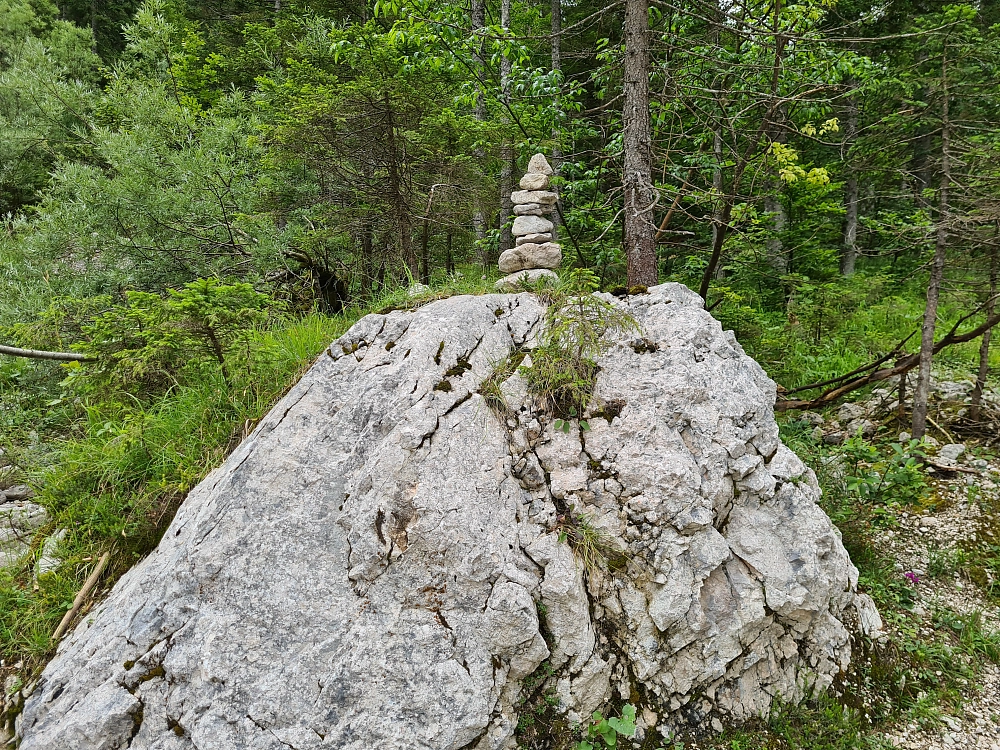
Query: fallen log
pixel 901 366
pixel 14 351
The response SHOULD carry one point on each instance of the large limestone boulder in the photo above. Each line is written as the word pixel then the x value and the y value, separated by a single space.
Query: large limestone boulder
pixel 366 570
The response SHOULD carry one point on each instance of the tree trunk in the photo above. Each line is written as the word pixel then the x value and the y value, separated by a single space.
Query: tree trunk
pixel 922 391
pixel 773 205
pixel 556 52
pixel 449 258
pixel 93 25
pixel 640 247
pixel 396 195
pixel 849 251
pixel 507 152
pixel 478 22
pixel 717 219
pixel 984 346
pixel 425 255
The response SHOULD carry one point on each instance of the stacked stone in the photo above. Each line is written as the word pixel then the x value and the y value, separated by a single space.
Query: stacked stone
pixel 534 253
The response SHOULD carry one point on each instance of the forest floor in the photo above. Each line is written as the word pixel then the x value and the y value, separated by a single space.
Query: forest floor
pixel 937 545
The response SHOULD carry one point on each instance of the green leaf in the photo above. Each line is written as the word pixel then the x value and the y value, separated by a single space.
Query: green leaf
pixel 584 425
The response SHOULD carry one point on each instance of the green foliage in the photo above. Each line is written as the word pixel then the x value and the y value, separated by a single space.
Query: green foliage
pixel 563 367
pixel 609 729
pixel 148 343
pixel 895 477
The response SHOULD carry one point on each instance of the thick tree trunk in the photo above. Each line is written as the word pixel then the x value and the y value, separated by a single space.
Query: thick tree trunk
pixel 849 252
pixel 507 152
pixel 922 391
pixel 640 247
pixel 984 346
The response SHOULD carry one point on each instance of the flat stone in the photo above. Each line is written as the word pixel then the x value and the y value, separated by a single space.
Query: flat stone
pixel 544 197
pixel 525 225
pixel 534 182
pixel 539 165
pixel 530 255
pixel 531 276
pixel 532 209
pixel 537 238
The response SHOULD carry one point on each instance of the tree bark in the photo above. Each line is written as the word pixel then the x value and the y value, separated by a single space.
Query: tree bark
pixel 477 18
pixel 922 390
pixel 507 152
pixel 449 258
pixel 556 56
pixel 984 346
pixel 640 247
pixel 397 196
pixel 717 219
pixel 849 252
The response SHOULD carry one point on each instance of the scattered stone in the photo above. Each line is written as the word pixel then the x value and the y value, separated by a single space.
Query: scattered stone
pixel 851 411
pixel 951 452
pixel 18 493
pixel 417 289
pixel 18 523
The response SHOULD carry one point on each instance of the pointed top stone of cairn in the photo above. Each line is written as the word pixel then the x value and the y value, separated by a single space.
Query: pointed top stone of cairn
pixel 538 165
pixel 535 253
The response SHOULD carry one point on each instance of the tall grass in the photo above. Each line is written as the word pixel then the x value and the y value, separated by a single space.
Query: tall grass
pixel 126 465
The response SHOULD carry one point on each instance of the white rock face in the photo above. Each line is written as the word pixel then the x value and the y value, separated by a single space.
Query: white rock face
pixel 531 255
pixel 365 570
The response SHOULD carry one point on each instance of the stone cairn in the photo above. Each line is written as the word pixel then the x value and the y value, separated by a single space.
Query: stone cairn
pixel 534 253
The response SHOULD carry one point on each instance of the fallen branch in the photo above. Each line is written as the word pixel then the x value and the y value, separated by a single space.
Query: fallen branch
pixel 871 366
pixel 81 597
pixel 13 351
pixel 903 365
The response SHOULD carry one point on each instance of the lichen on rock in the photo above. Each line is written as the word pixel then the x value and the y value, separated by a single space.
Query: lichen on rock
pixel 367 568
